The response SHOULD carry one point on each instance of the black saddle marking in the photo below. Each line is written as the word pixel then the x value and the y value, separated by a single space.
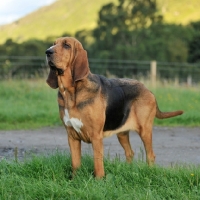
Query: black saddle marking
pixel 119 93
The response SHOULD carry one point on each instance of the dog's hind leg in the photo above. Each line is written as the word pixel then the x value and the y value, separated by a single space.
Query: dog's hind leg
pixel 145 111
pixel 146 136
pixel 123 138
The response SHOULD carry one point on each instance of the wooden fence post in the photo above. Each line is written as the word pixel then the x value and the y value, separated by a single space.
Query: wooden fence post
pixel 189 80
pixel 153 66
pixel 176 81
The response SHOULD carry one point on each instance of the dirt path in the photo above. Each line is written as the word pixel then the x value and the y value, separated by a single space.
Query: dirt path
pixel 171 145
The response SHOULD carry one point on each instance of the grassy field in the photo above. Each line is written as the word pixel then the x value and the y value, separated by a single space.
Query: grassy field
pixel 33 104
pixel 48 177
pixel 179 98
pixel 27 104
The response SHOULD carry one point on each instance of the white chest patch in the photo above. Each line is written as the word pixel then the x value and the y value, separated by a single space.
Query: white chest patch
pixel 73 122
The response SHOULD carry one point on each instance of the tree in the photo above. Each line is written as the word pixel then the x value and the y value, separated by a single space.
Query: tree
pixel 134 29
pixel 194 45
pixel 119 27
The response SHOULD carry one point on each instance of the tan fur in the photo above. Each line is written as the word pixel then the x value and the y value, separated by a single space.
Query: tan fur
pixel 84 100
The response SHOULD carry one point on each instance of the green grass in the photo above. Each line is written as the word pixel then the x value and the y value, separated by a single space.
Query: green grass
pixel 48 177
pixel 33 104
pixel 179 98
pixel 71 16
pixel 179 12
pixel 27 104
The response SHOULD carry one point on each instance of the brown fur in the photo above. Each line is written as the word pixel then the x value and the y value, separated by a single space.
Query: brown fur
pixel 86 97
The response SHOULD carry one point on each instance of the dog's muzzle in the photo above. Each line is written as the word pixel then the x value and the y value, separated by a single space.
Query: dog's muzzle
pixel 49 52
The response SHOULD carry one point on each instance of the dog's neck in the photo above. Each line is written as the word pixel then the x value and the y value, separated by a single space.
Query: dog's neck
pixel 67 88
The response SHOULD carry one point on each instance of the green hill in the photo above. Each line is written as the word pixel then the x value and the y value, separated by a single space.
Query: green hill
pixel 179 11
pixel 69 16
pixel 63 16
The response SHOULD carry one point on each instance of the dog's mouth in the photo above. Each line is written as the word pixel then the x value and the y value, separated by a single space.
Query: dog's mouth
pixel 54 68
pixel 51 65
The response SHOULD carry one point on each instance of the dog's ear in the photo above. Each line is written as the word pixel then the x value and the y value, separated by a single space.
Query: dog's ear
pixel 52 79
pixel 80 66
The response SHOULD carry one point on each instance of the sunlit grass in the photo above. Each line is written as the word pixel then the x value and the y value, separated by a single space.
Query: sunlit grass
pixel 65 16
pixel 83 15
pixel 33 104
pixel 179 12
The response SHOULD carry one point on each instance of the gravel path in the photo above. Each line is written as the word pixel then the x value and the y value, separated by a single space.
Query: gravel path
pixel 171 145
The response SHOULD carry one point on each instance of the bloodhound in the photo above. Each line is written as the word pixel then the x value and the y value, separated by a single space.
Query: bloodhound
pixel 93 107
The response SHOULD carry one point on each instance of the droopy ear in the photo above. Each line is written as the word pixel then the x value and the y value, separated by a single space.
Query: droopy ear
pixel 52 79
pixel 80 66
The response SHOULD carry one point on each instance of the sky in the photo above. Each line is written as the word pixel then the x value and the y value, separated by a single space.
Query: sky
pixel 11 10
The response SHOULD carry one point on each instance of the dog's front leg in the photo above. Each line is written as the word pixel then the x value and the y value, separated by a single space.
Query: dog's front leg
pixel 75 148
pixel 97 144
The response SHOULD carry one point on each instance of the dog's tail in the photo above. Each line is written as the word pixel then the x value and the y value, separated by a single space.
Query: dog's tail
pixel 163 115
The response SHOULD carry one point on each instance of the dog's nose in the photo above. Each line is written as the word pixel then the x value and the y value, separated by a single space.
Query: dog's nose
pixel 49 51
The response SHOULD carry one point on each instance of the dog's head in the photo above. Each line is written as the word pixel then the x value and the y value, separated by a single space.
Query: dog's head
pixel 66 52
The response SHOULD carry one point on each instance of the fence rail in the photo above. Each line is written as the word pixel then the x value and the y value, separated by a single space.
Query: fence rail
pixel 18 67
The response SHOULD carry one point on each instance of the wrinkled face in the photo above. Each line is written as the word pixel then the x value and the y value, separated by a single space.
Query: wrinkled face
pixel 66 53
pixel 62 54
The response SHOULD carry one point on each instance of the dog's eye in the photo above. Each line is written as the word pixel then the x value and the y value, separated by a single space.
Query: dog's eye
pixel 67 46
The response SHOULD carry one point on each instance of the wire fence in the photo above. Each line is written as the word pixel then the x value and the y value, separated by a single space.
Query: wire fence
pixel 27 67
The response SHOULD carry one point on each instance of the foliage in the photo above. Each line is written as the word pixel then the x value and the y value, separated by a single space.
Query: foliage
pixel 48 177
pixel 72 16
pixel 131 29
pixel 166 42
pixel 127 30
pixel 26 66
pixel 134 30
pixel 28 48
pixel 119 27
pixel 194 45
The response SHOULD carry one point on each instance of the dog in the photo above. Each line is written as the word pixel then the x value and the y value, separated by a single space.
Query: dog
pixel 92 107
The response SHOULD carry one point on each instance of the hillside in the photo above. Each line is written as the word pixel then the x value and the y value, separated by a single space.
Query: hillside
pixel 63 16
pixel 179 11
pixel 69 16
